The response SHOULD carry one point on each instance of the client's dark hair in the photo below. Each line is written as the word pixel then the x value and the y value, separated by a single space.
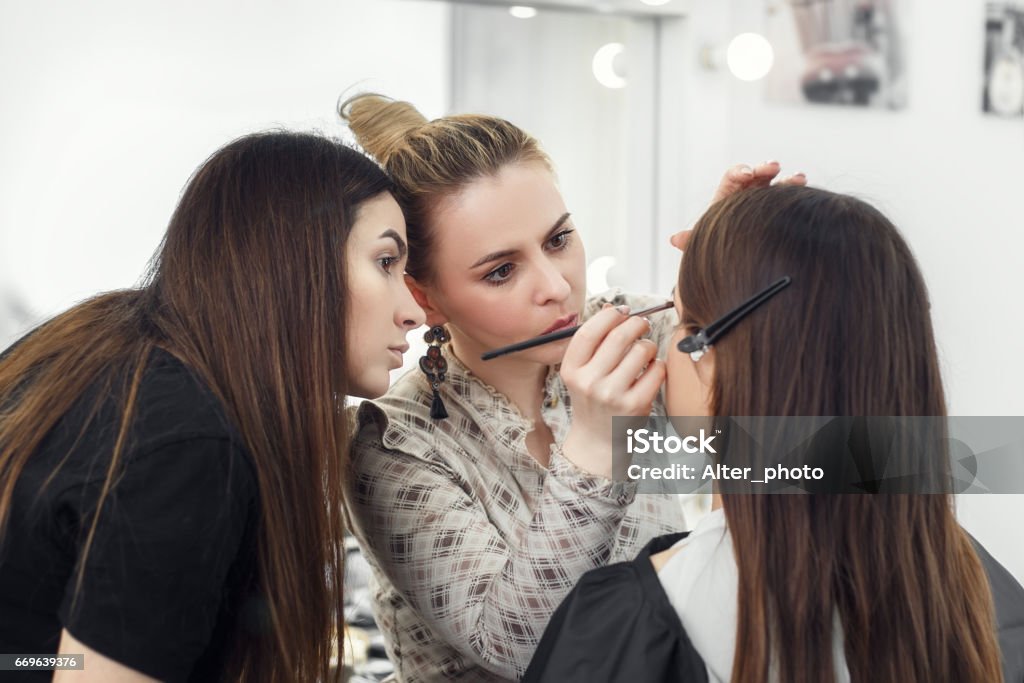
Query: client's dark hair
pixel 851 336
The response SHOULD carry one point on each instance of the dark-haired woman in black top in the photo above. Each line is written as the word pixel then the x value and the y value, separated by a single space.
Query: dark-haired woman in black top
pixel 170 456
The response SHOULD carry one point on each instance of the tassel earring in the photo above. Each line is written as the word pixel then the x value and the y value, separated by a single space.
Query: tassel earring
pixel 434 366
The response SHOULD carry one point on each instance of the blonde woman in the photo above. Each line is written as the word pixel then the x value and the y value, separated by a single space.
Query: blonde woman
pixel 482 490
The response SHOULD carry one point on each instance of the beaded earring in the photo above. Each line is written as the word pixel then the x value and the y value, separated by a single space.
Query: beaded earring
pixel 434 366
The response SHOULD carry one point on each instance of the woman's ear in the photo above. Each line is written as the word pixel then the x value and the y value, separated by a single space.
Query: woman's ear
pixel 426 300
pixel 706 368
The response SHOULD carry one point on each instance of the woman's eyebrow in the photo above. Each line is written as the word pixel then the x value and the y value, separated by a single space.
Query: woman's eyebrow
pixel 494 256
pixel 402 249
pixel 505 253
pixel 557 226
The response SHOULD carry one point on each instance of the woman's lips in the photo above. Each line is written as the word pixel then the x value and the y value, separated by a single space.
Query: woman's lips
pixel 398 353
pixel 561 323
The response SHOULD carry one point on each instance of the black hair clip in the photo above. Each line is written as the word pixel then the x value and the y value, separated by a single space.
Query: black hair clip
pixel 697 344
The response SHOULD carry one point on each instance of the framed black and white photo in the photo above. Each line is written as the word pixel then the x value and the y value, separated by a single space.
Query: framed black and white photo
pixel 1004 60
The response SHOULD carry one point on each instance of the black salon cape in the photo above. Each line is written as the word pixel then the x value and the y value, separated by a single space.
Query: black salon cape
pixel 618 626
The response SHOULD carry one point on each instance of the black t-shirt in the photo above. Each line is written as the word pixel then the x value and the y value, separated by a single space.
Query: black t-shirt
pixel 170 577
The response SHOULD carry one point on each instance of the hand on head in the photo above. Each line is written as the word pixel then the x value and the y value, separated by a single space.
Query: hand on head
pixel 743 177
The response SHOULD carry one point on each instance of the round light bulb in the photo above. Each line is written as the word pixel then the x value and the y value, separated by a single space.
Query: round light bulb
pixel 749 56
pixel 597 274
pixel 603 65
pixel 522 12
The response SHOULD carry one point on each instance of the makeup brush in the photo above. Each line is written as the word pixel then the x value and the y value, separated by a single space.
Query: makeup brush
pixel 560 334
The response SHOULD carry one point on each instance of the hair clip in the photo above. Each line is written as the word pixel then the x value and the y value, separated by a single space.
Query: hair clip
pixel 697 344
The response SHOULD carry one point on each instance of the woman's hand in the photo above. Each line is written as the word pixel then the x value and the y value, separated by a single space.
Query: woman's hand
pixel 743 177
pixel 609 370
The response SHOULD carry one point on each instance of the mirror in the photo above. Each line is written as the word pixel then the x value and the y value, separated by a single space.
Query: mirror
pixel 585 85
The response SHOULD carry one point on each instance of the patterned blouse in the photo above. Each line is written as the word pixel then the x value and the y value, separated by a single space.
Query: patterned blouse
pixel 473 543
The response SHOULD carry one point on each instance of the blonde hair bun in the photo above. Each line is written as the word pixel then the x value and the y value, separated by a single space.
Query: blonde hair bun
pixel 381 125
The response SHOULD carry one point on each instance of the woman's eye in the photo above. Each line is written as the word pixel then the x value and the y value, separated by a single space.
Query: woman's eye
pixel 386 262
pixel 500 275
pixel 561 240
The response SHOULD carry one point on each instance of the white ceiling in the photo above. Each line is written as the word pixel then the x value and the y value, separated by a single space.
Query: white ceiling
pixel 619 7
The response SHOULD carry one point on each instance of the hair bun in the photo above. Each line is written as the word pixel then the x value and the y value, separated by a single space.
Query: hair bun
pixel 381 125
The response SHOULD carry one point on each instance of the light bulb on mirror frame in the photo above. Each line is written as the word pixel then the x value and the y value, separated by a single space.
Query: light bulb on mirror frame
pixel 522 12
pixel 597 274
pixel 750 56
pixel 603 65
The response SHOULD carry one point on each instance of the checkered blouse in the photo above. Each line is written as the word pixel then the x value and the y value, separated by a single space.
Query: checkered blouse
pixel 473 543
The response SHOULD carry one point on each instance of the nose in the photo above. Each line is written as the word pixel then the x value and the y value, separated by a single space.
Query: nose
pixel 552 286
pixel 408 313
pixel 680 239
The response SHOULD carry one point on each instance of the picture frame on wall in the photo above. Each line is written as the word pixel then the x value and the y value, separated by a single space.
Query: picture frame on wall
pixel 1003 93
pixel 839 52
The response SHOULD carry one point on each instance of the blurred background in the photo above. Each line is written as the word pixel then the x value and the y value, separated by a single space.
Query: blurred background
pixel 108 107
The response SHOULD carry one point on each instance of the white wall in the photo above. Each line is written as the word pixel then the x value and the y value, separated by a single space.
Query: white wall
pixel 949 177
pixel 108 106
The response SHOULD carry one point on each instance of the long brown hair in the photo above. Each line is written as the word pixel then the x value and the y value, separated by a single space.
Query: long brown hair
pixel 249 290
pixel 851 336
pixel 431 160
